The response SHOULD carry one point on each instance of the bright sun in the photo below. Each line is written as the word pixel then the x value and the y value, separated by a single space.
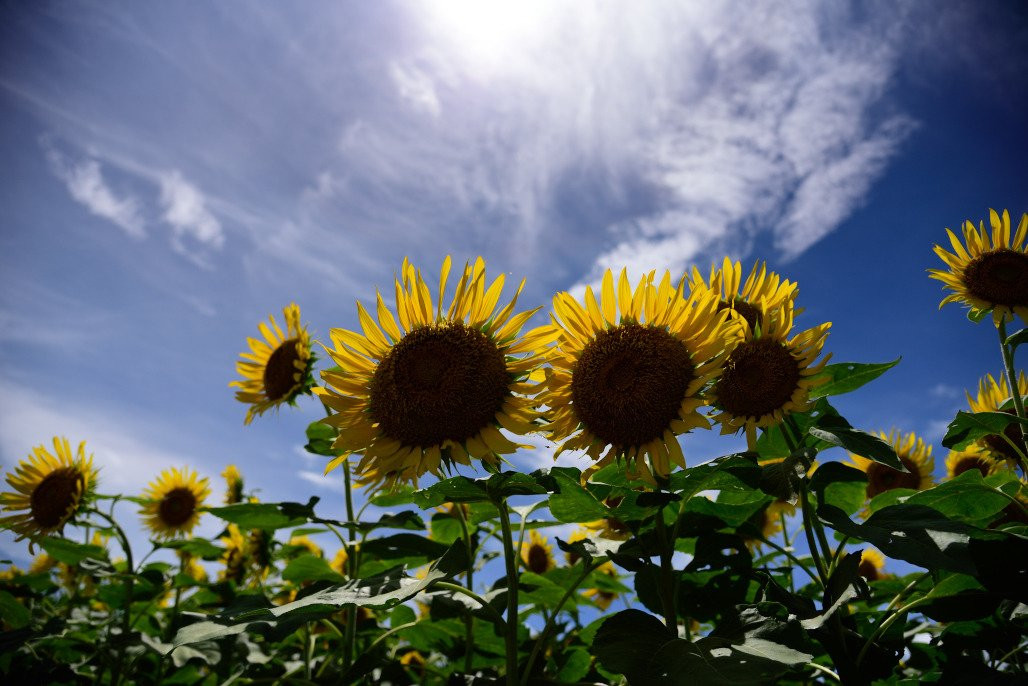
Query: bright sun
pixel 491 31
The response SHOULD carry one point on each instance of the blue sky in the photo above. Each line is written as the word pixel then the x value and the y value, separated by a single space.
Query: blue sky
pixel 174 172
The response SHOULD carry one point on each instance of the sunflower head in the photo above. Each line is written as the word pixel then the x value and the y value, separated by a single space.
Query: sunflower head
pixel 191 567
pixel 872 565
pixel 304 543
pixel 769 521
pixel 49 488
pixel 233 485
pixel 41 564
pixel 988 274
pixel 992 396
pixel 915 455
pixel 175 498
pixel 749 302
pixel 435 387
pixel 628 368
pixel 234 557
pixel 973 456
pixel 769 375
pixel 339 562
pixel 603 598
pixel 537 555
pixel 278 368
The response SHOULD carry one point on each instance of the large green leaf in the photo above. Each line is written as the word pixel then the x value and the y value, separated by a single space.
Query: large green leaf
pixel 573 503
pixel 461 489
pixel 837 431
pixel 383 591
pixel 840 485
pixel 848 376
pixel 772 443
pixel 381 554
pixel 965 497
pixel 320 437
pixel 265 515
pixel 70 552
pixel 310 568
pixel 968 427
pixel 14 613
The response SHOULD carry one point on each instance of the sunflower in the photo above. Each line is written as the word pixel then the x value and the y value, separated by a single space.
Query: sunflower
pixel 234 557
pixel 538 554
pixel 625 386
pixel 305 543
pixel 175 499
pixel 415 662
pixel 191 567
pixel 988 275
pixel 915 455
pixel 259 544
pixel 973 456
pixel 576 535
pixel 763 292
pixel 603 598
pixel 233 485
pixel 277 369
pixel 49 489
pixel 339 562
pixel 992 395
pixel 769 521
pixel 872 565
pixel 437 388
pixel 42 563
pixel 769 375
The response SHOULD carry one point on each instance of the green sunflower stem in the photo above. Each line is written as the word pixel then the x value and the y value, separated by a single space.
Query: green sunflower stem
pixel 469 620
pixel 509 557
pixel 126 626
pixel 351 611
pixel 667 584
pixel 1015 390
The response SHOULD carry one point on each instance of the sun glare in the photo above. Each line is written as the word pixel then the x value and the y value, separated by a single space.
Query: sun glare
pixel 491 32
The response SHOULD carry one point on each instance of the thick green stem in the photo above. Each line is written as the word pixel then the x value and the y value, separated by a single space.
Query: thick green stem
pixel 351 612
pixel 469 620
pixel 1015 390
pixel 667 584
pixel 544 635
pixel 509 557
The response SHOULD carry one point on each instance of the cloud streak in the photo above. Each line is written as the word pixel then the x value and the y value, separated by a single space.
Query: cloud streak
pixel 86 184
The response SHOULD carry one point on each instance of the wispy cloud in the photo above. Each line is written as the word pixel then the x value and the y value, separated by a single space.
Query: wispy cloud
pixel 195 231
pixel 86 184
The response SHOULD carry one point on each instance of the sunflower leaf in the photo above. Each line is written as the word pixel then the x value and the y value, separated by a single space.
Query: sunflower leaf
pixel 968 427
pixel 70 552
pixel 572 503
pixel 1017 338
pixel 838 432
pixel 848 376
pixel 262 515
pixel 320 438
pixel 310 568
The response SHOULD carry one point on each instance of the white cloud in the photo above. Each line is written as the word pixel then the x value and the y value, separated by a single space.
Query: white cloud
pixel 416 87
pixel 944 391
pixel 194 229
pixel 87 186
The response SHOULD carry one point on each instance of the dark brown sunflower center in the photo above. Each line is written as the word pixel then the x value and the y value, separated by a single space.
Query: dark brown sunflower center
pixel 439 383
pixel 999 277
pixel 538 559
pixel 881 478
pixel 55 495
pixel 280 371
pixel 759 378
pixel 868 570
pixel 177 506
pixel 751 314
pixel 1001 445
pixel 629 383
pixel 966 464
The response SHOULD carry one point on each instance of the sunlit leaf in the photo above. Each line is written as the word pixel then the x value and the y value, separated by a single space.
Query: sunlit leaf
pixel 848 376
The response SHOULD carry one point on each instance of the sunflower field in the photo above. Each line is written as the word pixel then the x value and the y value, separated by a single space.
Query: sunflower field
pixel 823 553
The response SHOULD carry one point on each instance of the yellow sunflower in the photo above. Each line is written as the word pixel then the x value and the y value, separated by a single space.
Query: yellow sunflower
pixel 992 395
pixel 872 565
pixel 259 552
pixel 414 661
pixel 538 554
pixel 973 456
pixel 48 489
pixel 339 562
pixel 915 455
pixel 307 544
pixel 769 375
pixel 625 386
pixel 175 499
pixel 277 369
pixel 763 292
pixel 601 597
pixel 234 557
pixel 42 563
pixel 611 528
pixel 436 388
pixel 769 520
pixel 233 485
pixel 191 567
pixel 988 274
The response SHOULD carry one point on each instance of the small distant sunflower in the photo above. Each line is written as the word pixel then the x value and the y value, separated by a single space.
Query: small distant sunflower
pixel 191 567
pixel 49 489
pixel 42 563
pixel 915 455
pixel 277 369
pixel 259 552
pixel 175 499
pixel 538 554
pixel 576 535
pixel 233 485
pixel 625 386
pixel 603 598
pixel 611 528
pixel 769 375
pixel 762 293
pixel 988 275
pixel 973 456
pixel 872 565
pixel 992 395
pixel 414 661
pixel 234 557
pixel 769 520
pixel 339 562
pixel 437 388
pixel 307 544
